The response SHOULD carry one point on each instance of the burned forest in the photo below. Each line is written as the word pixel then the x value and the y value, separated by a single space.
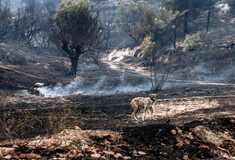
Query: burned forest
pixel 117 79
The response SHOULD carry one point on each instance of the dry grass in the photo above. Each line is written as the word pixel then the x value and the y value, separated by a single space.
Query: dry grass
pixel 26 123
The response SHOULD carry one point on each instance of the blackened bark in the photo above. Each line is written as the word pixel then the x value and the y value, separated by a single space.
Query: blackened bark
pixel 74 54
pixel 186 3
pixel 74 64
pixel 175 36
pixel 208 15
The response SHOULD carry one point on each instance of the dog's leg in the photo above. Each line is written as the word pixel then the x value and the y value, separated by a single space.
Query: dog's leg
pixel 145 110
pixel 135 110
pixel 151 109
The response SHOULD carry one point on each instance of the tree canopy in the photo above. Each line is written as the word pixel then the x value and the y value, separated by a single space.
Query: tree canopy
pixel 137 19
pixel 76 28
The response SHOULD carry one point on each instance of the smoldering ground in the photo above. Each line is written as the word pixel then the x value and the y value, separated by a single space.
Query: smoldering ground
pixel 103 87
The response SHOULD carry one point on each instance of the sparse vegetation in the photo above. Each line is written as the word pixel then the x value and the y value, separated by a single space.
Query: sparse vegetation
pixel 5 19
pixel 193 41
pixel 147 48
pixel 137 19
pixel 232 6
pixel 47 114
pixel 28 123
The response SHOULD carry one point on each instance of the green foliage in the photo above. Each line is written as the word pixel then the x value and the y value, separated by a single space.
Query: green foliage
pixel 193 41
pixel 137 19
pixel 168 19
pixel 76 28
pixel 193 9
pixel 193 6
pixel 167 24
pixel 76 22
pixel 147 47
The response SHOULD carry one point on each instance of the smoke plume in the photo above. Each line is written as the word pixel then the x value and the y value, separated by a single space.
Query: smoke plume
pixel 96 89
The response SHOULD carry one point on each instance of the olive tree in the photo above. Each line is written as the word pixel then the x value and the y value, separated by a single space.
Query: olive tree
pixel 75 29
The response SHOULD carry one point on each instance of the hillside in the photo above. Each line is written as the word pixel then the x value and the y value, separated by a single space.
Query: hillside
pixel 89 116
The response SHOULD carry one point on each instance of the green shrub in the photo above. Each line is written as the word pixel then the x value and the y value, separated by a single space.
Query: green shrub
pixel 147 47
pixel 193 41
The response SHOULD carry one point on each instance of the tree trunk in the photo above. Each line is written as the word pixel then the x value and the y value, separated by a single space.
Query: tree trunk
pixel 208 16
pixel 175 37
pixel 186 18
pixel 74 65
pixel 74 54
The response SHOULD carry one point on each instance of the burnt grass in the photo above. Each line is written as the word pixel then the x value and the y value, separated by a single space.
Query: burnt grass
pixel 157 139
pixel 154 137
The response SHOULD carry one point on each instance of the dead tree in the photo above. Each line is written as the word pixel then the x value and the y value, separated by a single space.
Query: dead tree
pixel 106 26
pixel 5 19
pixel 25 23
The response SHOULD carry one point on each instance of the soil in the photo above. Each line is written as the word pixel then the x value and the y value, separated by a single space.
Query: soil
pixel 101 126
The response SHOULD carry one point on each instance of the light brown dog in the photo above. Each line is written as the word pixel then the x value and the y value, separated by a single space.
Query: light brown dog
pixel 143 103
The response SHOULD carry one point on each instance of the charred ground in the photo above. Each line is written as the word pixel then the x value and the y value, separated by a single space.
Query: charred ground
pixel 201 91
pixel 106 121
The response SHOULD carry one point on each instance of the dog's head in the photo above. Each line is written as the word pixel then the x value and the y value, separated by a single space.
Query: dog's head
pixel 153 97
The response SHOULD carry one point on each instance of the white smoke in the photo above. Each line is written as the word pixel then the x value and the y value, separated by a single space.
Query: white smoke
pixel 96 89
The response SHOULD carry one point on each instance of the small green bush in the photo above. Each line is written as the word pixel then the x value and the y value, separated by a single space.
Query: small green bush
pixel 147 47
pixel 193 41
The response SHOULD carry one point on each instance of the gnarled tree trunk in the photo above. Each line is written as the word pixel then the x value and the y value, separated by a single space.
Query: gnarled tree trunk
pixel 74 54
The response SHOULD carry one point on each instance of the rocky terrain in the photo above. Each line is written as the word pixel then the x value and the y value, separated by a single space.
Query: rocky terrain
pixel 89 116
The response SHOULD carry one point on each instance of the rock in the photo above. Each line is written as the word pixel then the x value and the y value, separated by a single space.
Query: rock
pixel 118 155
pixel 173 132
pixel 79 155
pixel 8 157
pixel 106 142
pixel 102 158
pixel 203 147
pixel 38 84
pixel 109 152
pixel 30 156
pixel 16 147
pixel 142 153
pixel 180 144
pixel 95 156
pixel 93 151
pixel 77 128
pixel 31 147
pixel 210 137
pixel 136 155
pixel 179 130
pixel 107 136
pixel 186 141
pixel 185 157
pixel 126 157
pixel 164 154
pixel 134 152
pixel 232 121
pixel 190 136
pixel 61 155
